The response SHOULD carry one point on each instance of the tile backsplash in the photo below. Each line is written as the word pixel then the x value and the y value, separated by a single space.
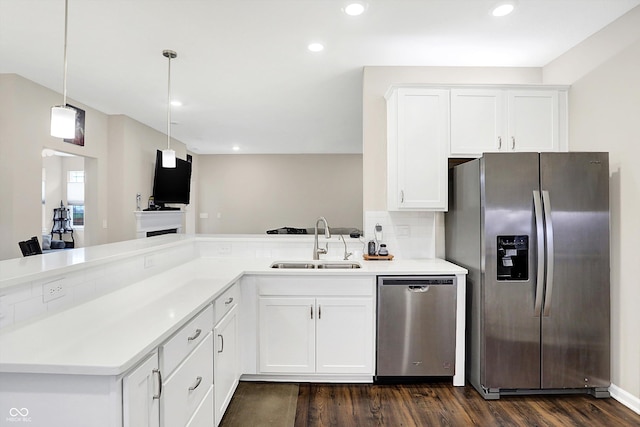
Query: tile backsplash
pixel 406 234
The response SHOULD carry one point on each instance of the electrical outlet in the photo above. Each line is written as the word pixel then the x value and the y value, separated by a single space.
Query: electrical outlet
pixel 224 249
pixel 53 290
pixel 149 261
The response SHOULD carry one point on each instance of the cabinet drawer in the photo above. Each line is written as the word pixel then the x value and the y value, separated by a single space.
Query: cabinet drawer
pixel 204 414
pixel 184 390
pixel 316 286
pixel 226 301
pixel 185 340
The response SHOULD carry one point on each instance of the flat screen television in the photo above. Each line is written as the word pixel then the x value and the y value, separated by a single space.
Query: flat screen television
pixel 171 185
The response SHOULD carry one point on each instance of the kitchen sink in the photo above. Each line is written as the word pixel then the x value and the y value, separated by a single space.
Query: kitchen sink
pixel 338 265
pixel 318 265
pixel 293 265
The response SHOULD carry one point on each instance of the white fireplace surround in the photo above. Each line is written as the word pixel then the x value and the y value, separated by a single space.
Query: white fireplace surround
pixel 151 221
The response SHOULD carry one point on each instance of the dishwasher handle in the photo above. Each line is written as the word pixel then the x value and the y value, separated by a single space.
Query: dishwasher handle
pixel 417 288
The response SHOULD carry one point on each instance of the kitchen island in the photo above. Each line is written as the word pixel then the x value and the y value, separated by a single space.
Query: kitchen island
pixel 98 357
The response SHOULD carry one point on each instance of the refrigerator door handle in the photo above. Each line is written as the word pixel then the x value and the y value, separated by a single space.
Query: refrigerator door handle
pixel 546 203
pixel 537 208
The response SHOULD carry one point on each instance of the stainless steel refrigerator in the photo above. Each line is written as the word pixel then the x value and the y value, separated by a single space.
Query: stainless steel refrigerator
pixel 533 231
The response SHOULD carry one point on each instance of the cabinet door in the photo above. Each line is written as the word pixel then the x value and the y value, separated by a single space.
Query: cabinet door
pixel 287 335
pixel 418 144
pixel 477 120
pixel 140 407
pixel 344 336
pixel 533 123
pixel 225 361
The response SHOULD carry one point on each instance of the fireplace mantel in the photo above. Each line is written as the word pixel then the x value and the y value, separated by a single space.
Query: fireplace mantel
pixel 158 221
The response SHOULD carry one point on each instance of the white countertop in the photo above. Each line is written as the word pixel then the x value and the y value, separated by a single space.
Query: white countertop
pixel 110 334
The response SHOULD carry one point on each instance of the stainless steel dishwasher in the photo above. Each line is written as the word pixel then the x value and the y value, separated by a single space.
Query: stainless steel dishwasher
pixel 416 328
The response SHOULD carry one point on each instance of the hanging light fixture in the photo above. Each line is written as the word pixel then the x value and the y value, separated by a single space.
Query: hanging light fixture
pixel 63 118
pixel 169 155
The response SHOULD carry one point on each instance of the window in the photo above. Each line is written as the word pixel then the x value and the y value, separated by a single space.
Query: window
pixel 75 197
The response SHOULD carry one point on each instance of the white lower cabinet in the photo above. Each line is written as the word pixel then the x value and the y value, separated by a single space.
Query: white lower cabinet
pixel 202 417
pixel 174 386
pixel 323 331
pixel 187 386
pixel 225 361
pixel 140 395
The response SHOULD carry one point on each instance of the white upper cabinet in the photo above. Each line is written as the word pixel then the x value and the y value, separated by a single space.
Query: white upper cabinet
pixel 417 148
pixel 507 120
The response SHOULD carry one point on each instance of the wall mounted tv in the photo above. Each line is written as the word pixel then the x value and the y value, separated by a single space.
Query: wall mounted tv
pixel 171 185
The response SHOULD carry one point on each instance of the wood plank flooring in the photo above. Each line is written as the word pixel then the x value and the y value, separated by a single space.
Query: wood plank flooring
pixel 441 404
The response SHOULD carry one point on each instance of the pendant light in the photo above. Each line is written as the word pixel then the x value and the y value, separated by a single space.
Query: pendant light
pixel 169 155
pixel 63 118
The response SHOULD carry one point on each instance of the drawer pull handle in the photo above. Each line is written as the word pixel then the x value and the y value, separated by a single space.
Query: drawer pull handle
pixel 195 386
pixel 311 307
pixel 157 373
pixel 401 196
pixel 499 143
pixel 222 344
pixel 319 312
pixel 195 336
pixel 229 301
pixel 513 142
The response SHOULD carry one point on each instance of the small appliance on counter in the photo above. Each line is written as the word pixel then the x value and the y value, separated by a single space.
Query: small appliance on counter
pixel 375 249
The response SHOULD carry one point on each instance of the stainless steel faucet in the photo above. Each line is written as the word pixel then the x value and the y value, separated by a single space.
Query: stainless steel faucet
pixel 346 254
pixel 317 251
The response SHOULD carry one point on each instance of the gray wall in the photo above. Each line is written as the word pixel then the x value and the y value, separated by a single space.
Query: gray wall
pixel 255 193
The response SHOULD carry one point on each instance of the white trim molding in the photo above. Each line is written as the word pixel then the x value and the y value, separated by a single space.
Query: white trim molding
pixel 627 399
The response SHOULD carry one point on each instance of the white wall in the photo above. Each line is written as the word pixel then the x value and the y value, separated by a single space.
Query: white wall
pixel 604 111
pixel 256 193
pixel 57 168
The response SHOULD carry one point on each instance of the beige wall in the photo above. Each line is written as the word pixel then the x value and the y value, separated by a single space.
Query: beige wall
pixel 376 82
pixel 118 158
pixel 132 156
pixel 256 193
pixel 24 132
pixel 603 116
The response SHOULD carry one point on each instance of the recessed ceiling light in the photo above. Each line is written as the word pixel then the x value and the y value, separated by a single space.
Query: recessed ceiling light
pixel 503 9
pixel 176 103
pixel 316 47
pixel 355 8
pixel 235 148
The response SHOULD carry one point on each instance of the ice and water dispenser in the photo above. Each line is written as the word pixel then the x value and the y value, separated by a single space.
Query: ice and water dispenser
pixel 513 258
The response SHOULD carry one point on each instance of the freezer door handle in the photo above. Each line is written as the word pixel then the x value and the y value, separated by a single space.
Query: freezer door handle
pixel 546 203
pixel 537 208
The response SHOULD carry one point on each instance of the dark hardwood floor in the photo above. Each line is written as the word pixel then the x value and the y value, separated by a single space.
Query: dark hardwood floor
pixel 441 404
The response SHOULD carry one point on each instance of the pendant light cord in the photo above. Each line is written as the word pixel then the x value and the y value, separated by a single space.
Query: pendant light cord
pixel 169 54
pixel 169 104
pixel 64 69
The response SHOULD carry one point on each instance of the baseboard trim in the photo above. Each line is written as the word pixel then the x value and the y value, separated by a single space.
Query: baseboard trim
pixel 315 378
pixel 627 399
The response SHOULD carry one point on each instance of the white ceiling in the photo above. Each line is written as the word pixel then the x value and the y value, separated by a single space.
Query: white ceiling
pixel 243 71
